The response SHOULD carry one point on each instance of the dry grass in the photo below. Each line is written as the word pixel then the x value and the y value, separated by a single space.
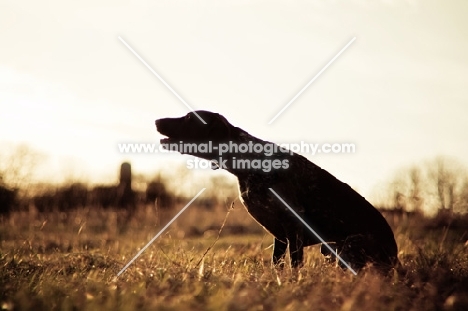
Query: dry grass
pixel 68 262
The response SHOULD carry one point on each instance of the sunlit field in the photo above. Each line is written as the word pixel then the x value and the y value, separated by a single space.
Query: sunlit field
pixel 69 261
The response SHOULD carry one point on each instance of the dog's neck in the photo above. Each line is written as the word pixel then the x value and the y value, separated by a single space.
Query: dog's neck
pixel 233 160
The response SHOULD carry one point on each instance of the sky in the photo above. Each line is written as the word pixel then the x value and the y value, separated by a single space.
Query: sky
pixel 71 90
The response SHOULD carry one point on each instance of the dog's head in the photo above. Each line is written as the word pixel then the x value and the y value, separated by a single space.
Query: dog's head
pixel 191 130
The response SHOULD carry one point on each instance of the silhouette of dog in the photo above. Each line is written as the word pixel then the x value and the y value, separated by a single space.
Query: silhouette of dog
pixel 341 216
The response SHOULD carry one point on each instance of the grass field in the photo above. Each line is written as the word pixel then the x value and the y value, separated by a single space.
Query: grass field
pixel 68 261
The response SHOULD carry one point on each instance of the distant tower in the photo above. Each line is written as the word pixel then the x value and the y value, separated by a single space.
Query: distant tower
pixel 126 175
pixel 125 185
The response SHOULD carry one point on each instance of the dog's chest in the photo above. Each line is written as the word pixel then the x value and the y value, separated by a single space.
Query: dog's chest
pixel 257 198
pixel 261 204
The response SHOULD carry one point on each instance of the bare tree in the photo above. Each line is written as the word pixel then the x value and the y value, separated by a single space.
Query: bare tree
pixel 16 169
pixel 439 184
pixel 445 178
pixel 18 166
pixel 415 197
pixel 406 190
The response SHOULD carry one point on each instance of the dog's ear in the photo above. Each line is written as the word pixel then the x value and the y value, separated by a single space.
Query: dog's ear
pixel 220 128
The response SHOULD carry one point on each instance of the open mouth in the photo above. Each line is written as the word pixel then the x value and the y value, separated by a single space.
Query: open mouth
pixel 161 129
pixel 166 140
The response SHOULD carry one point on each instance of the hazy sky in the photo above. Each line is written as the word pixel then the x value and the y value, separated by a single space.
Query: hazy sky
pixel 72 90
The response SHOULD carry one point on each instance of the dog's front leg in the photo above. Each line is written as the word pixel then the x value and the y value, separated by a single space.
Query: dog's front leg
pixel 279 253
pixel 296 251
